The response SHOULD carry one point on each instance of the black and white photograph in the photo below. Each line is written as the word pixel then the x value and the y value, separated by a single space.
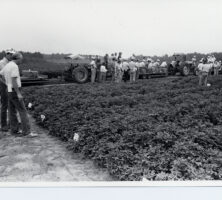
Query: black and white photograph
pixel 111 91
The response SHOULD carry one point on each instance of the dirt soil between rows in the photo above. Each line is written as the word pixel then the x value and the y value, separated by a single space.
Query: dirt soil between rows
pixel 43 158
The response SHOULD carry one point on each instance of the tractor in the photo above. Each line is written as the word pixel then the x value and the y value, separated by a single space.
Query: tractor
pixel 79 69
pixel 181 65
pixel 77 72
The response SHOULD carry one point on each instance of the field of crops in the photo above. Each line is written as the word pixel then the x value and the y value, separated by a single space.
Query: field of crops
pixel 158 129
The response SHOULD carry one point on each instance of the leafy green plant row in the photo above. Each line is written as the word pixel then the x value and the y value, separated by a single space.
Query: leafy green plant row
pixel 158 129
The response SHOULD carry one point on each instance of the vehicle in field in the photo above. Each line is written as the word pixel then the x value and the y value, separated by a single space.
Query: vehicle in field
pixel 29 77
pixel 77 72
pixel 181 65
pixel 79 69
pixel 149 71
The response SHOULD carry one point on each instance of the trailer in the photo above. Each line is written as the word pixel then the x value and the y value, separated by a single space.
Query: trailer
pixel 30 77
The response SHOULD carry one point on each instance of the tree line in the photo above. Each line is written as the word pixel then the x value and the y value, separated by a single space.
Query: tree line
pixel 38 57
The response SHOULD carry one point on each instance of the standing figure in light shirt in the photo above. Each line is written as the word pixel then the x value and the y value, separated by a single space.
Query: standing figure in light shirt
pixel 125 70
pixel 15 99
pixel 112 67
pixel 137 63
pixel 118 71
pixel 3 91
pixel 103 71
pixel 204 69
pixel 93 68
pixel 216 68
pixel 133 69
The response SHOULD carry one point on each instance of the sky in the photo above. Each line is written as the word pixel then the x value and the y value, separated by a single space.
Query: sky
pixel 148 27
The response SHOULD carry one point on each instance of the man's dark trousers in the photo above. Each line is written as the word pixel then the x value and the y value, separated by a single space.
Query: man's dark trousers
pixel 16 104
pixel 4 105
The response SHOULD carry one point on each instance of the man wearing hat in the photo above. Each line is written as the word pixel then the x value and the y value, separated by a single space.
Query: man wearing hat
pixel 3 90
pixel 112 67
pixel 203 69
pixel 216 68
pixel 15 99
pixel 118 71
pixel 133 69
pixel 93 69
pixel 125 70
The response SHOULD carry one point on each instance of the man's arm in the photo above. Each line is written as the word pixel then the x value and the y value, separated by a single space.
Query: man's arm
pixel 2 80
pixel 16 88
pixel 1 76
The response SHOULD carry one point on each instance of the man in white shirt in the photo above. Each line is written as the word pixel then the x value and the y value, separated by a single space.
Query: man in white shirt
pixel 93 70
pixel 137 63
pixel 112 67
pixel 216 68
pixel 204 69
pixel 125 70
pixel 15 99
pixel 133 69
pixel 156 66
pixel 142 64
pixel 118 71
pixel 102 74
pixel 3 91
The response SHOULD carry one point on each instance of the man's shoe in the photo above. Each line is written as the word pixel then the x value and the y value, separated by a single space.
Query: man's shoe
pixel 4 129
pixel 32 134
pixel 17 134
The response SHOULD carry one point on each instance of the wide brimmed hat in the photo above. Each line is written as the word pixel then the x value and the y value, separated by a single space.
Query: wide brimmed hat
pixel 17 56
pixel 10 51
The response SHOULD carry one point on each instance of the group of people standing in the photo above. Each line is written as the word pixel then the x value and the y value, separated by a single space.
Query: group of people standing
pixel 98 70
pixel 11 98
pixel 205 67
pixel 121 69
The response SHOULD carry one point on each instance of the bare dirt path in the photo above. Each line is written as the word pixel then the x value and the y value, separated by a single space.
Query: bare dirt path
pixel 43 158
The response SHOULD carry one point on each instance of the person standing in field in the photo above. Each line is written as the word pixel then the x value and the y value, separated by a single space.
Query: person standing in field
pixel 163 67
pixel 112 67
pixel 121 71
pixel 115 70
pixel 216 68
pixel 133 69
pixel 98 64
pixel 116 56
pixel 142 68
pixel 156 66
pixel 15 99
pixel 118 71
pixel 148 63
pixel 103 71
pixel 119 56
pixel 203 69
pixel 93 68
pixel 137 63
pixel 3 91
pixel 125 71
pixel 106 60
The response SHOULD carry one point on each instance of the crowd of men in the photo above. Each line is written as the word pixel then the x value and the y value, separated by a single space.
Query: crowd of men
pixel 12 103
pixel 128 69
pixel 121 69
